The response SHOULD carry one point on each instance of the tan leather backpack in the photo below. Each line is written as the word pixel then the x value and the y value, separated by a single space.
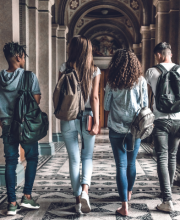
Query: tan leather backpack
pixel 67 97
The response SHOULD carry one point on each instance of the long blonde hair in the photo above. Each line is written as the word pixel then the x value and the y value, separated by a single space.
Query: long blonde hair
pixel 81 59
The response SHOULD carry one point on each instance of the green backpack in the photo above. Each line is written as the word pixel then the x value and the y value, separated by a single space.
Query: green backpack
pixel 29 123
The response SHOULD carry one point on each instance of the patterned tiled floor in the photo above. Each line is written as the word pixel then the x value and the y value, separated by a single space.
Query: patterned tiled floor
pixel 52 189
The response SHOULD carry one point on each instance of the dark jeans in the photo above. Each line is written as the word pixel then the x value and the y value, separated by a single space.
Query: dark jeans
pixel 125 162
pixel 11 154
pixel 166 141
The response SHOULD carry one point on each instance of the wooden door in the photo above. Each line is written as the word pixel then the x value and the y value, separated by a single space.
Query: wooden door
pixel 101 100
pixel 103 115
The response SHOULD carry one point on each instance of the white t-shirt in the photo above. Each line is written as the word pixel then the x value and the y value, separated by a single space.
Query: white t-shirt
pixel 152 76
pixel 97 72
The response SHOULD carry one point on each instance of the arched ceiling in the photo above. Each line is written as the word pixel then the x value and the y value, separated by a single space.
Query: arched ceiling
pixel 124 16
pixel 108 26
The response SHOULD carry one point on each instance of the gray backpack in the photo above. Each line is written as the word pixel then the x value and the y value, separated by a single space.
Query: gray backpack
pixel 142 125
pixel 67 97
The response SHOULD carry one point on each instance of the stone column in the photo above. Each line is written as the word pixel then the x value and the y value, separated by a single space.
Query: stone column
pixel 162 20
pixel 24 27
pixel 55 71
pixel 138 51
pixel 46 146
pixel 33 36
pixel 59 56
pixel 152 30
pixel 9 31
pixel 146 47
pixel 173 26
pixel 179 36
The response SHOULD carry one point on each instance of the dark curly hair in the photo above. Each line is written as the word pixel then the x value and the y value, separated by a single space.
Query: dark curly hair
pixel 124 70
pixel 12 49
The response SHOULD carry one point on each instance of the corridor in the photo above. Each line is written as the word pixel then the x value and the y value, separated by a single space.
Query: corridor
pixel 52 188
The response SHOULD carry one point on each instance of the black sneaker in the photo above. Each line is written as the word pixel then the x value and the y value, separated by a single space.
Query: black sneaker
pixel 29 203
pixel 12 210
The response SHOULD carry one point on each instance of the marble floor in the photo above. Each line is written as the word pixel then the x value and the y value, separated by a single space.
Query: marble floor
pixel 52 188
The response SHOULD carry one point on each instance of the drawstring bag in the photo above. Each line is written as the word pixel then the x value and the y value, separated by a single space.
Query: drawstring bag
pixel 142 124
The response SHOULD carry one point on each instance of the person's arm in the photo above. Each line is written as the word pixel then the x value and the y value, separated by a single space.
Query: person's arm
pixel 36 89
pixel 60 74
pixel 0 124
pixel 37 98
pixel 108 98
pixel 95 105
pixel 145 93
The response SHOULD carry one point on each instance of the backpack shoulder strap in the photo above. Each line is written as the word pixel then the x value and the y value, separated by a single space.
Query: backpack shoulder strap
pixel 27 80
pixel 175 68
pixel 161 68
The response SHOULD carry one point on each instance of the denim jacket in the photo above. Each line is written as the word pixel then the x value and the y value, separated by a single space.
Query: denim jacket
pixel 124 105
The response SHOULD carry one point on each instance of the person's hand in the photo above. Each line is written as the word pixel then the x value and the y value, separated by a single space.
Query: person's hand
pixel 95 130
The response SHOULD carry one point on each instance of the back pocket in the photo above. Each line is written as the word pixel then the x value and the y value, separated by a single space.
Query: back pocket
pixel 65 126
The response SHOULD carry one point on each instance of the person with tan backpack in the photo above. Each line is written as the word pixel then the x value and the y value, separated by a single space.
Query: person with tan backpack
pixel 76 97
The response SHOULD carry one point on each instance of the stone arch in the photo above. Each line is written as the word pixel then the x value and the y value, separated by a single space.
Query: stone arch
pixel 146 12
pixel 122 7
pixel 118 27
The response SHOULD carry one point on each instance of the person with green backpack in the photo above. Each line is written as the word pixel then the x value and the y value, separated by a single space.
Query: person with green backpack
pixel 19 90
pixel 164 80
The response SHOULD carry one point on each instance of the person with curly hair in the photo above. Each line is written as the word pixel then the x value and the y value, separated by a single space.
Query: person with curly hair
pixel 122 100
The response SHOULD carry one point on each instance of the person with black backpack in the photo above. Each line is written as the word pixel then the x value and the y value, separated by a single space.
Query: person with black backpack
pixel 164 80
pixel 13 92
pixel 75 99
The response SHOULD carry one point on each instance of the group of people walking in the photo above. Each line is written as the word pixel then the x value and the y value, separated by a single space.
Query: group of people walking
pixel 122 100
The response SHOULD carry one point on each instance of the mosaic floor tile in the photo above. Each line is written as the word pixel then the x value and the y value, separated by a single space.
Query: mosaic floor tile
pixel 52 188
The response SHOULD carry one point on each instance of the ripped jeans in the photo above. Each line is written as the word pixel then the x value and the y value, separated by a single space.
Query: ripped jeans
pixel 166 141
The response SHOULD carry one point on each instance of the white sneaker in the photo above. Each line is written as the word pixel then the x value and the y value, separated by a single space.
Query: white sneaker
pixel 86 208
pixel 78 208
pixel 166 206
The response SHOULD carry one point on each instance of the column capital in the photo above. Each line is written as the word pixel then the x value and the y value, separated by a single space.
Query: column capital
pixel 162 5
pixel 55 28
pixel 155 2
pixel 137 48
pixel 33 3
pixel 174 5
pixel 152 29
pixel 62 31
pixel 145 32
pixel 45 5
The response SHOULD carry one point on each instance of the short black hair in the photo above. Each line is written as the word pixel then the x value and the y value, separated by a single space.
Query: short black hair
pixel 161 46
pixel 12 49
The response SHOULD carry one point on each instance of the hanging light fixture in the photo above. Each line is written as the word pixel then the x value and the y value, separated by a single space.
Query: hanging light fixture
pixel 104 11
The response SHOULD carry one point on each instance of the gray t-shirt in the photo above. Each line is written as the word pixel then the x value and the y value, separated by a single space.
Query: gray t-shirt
pixel 9 87
pixel 152 76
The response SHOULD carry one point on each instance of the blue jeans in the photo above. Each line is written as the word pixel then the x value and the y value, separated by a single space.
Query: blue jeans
pixel 166 136
pixel 11 149
pixel 125 162
pixel 70 130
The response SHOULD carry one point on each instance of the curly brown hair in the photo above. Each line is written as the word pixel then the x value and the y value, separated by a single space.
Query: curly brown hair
pixel 124 70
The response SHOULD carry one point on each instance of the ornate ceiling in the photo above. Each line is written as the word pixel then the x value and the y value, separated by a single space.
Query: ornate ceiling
pixel 119 18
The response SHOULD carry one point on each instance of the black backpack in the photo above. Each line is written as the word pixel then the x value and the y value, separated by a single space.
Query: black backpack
pixel 29 123
pixel 167 96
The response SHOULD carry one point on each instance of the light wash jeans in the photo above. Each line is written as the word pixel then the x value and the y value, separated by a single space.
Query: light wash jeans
pixel 70 130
